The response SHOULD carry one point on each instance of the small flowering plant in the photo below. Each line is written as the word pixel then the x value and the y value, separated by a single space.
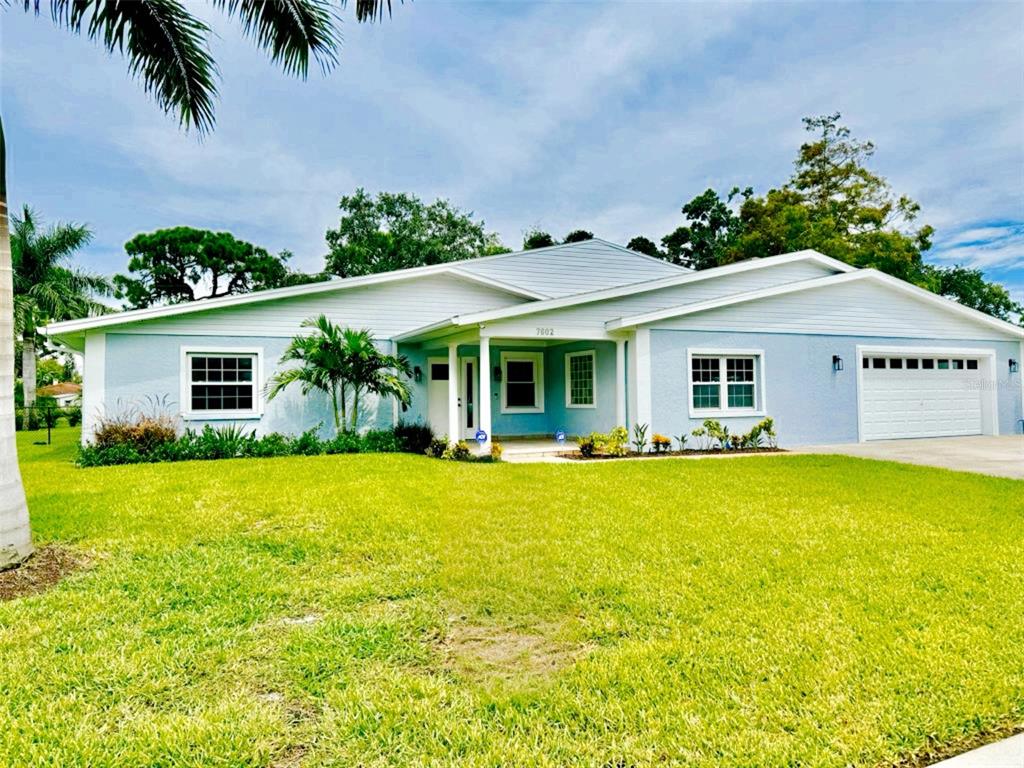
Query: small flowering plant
pixel 660 443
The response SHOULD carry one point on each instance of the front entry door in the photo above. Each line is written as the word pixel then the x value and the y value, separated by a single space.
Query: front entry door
pixel 437 396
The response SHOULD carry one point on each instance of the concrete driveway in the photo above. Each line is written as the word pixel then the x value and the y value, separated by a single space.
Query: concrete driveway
pixel 999 456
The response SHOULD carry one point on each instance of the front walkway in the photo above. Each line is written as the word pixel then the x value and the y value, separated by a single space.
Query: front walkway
pixel 1008 753
pixel 998 456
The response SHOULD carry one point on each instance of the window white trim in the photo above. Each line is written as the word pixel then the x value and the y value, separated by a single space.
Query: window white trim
pixel 185 375
pixel 592 354
pixel 724 411
pixel 537 358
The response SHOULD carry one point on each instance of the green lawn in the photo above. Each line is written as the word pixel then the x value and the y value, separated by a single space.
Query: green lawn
pixel 396 610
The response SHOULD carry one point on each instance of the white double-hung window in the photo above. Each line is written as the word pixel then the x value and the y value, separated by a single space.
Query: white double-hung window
pixel 220 384
pixel 726 383
pixel 522 382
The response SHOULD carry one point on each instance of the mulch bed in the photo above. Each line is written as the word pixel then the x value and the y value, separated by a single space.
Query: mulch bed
pixel 576 455
pixel 46 567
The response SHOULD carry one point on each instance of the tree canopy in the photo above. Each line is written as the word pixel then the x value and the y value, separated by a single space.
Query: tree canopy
pixel 578 236
pixel 184 264
pixel 397 231
pixel 537 238
pixel 833 203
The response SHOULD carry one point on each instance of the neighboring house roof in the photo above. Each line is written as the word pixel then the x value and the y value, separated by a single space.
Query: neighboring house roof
pixel 534 275
pixel 620 291
pixel 61 388
pixel 870 275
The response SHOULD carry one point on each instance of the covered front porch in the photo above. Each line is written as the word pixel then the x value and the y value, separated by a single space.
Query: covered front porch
pixel 517 387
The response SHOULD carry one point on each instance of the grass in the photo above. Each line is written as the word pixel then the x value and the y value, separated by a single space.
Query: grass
pixel 394 610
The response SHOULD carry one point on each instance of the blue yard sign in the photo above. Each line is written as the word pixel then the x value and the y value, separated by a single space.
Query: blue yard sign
pixel 560 436
pixel 481 436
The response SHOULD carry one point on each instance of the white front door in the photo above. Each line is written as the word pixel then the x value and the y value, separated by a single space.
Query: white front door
pixel 437 396
pixel 916 395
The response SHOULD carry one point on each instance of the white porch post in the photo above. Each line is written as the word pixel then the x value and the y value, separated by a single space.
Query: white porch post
pixel 620 382
pixel 484 409
pixel 642 353
pixel 453 393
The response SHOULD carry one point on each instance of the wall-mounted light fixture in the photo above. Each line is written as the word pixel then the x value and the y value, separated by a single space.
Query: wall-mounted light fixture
pixel 497 373
pixel 417 374
pixel 1013 366
pixel 837 363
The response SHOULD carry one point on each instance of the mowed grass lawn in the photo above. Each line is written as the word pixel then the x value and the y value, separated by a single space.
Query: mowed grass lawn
pixel 397 610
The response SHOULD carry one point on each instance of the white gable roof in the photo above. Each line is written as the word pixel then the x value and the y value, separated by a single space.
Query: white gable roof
pixel 531 275
pixel 817 314
pixel 573 268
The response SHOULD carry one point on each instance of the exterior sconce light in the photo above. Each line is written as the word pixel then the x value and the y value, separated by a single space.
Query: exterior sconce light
pixel 417 373
pixel 837 363
pixel 497 373
pixel 1013 366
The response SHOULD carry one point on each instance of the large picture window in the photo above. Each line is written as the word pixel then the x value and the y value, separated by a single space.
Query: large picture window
pixel 221 383
pixel 580 384
pixel 522 382
pixel 725 383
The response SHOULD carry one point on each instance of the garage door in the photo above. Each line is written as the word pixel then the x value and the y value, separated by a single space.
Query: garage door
pixel 912 396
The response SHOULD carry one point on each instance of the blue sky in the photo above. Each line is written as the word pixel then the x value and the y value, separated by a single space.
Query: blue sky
pixel 559 115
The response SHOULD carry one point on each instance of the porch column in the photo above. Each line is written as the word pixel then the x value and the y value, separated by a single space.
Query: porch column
pixel 642 353
pixel 484 408
pixel 453 393
pixel 620 382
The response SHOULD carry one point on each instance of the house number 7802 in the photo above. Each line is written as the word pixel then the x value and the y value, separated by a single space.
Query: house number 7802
pixel 545 331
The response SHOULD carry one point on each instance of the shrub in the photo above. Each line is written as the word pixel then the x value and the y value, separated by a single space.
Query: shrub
pixel 589 445
pixel 144 433
pixel 73 413
pixel 660 443
pixel 437 447
pixel 496 450
pixel 414 438
pixel 119 453
pixel 33 419
pixel 382 441
pixel 457 452
pixel 273 444
pixel 640 437
pixel 344 442
pixel 616 442
pixel 309 444
pixel 716 433
pixel 681 439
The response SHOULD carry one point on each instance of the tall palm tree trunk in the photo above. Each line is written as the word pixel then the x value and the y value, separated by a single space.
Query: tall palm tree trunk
pixel 28 374
pixel 15 535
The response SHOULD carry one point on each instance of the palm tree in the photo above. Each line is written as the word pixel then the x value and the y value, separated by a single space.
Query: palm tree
pixel 321 365
pixel 369 370
pixel 45 289
pixel 335 360
pixel 166 47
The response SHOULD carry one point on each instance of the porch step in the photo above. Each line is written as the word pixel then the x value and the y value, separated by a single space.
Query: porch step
pixel 535 450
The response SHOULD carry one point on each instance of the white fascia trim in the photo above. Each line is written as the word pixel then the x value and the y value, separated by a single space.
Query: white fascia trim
pixel 202 305
pixel 616 292
pixel 821 282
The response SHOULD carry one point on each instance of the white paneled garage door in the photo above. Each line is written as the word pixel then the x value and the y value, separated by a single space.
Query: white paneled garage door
pixel 920 396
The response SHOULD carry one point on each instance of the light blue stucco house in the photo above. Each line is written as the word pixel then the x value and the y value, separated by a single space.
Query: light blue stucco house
pixel 583 337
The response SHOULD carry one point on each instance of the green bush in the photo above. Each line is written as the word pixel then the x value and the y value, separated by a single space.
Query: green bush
pixel 19 419
pixel 437 447
pixel 458 452
pixel 145 440
pixel 73 413
pixel 415 438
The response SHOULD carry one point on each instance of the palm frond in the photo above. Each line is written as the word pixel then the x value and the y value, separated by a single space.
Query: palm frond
pixel 165 45
pixel 290 30
pixel 371 10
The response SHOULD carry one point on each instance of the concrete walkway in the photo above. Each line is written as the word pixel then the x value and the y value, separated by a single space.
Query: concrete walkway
pixel 999 456
pixel 1008 753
